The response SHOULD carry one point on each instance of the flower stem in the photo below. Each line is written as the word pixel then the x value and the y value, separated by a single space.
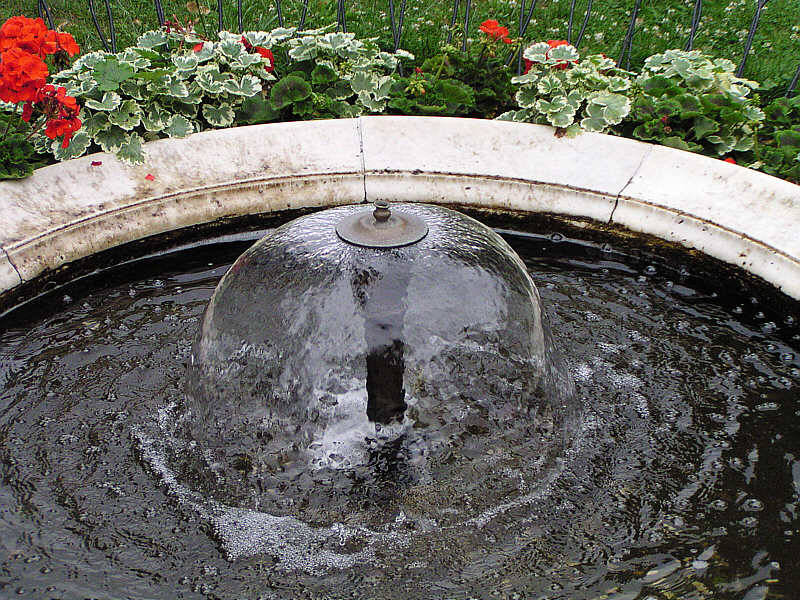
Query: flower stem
pixel 5 133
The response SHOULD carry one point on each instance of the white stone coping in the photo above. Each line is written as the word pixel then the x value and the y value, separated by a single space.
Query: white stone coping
pixel 69 211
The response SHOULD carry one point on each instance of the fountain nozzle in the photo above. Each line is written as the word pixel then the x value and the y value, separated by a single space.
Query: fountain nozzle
pixel 381 228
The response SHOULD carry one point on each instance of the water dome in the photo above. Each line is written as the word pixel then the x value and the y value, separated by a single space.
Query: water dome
pixel 319 356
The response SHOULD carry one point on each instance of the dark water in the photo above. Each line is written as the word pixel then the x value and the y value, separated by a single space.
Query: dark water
pixel 682 482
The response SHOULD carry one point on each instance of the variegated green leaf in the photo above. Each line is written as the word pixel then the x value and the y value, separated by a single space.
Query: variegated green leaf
pixel 211 81
pixel 81 87
pixel 557 104
pixel 561 118
pixel 178 126
pixel 78 145
pixel 133 89
pixel 205 53
pixel 304 48
pixel 185 63
pixel 131 150
pixel 218 116
pixel 384 87
pixel 527 97
pixel 618 84
pixel 95 123
pixel 231 49
pixel 537 52
pixel 595 119
pixel 520 116
pixel 174 87
pixel 41 143
pixel 151 39
pixel 127 115
pixel 549 84
pixel 615 107
pixel 154 118
pixel 134 59
pixel 279 34
pixel 574 99
pixel 744 144
pixel 110 101
pixel 258 38
pixel 363 82
pixel 561 53
pixel 89 60
pixel 246 86
pixel 753 113
pixel 245 61
pixel 370 103
pixel 111 139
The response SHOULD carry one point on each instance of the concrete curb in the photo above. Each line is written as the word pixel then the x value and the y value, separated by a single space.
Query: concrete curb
pixel 69 211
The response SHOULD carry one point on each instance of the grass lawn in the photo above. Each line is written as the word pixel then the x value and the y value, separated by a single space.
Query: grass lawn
pixel 661 24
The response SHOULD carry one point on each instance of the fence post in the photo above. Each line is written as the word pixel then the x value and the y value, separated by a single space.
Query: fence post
pixel 750 35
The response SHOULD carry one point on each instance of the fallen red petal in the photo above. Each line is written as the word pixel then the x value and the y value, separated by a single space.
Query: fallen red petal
pixel 150 177
pixel 97 163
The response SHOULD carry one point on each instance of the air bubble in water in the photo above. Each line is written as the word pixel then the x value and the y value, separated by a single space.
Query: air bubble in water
pixel 753 505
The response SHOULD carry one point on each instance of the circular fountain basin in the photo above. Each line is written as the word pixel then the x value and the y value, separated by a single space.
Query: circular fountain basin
pixel 77 209
pixel 680 481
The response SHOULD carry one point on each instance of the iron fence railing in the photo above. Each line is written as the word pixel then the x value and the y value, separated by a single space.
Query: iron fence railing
pixel 397 16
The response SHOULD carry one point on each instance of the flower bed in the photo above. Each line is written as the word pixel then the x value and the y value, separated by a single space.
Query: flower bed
pixel 174 82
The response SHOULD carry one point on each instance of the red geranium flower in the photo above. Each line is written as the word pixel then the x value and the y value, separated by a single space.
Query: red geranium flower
pixel 60 110
pixel 63 42
pixel 493 29
pixel 267 53
pixel 26 34
pixel 21 75
pixel 65 127
pixel 54 102
pixel 198 47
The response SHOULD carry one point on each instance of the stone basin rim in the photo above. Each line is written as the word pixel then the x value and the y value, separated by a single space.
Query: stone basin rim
pixel 70 211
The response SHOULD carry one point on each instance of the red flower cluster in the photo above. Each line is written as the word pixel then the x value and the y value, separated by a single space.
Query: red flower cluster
pixel 495 32
pixel 24 43
pixel 553 44
pixel 60 110
pixel 32 36
pixel 22 74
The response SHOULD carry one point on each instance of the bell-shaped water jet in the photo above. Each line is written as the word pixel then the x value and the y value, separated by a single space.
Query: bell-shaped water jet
pixel 346 334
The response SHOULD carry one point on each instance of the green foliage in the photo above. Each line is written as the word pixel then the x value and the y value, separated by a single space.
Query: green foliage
pixel 18 154
pixel 778 148
pixel 16 157
pixel 455 83
pixel 689 101
pixel 173 84
pixel 566 92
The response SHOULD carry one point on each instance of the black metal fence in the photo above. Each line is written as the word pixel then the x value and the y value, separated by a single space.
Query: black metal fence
pixel 397 16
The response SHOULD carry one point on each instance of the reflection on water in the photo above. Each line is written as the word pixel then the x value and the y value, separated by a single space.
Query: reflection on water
pixel 682 482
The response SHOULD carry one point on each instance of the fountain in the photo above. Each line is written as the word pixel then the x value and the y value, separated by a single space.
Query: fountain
pixel 424 443
pixel 343 339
